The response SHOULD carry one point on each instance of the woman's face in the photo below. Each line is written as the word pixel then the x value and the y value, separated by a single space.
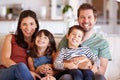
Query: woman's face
pixel 42 41
pixel 28 26
pixel 75 38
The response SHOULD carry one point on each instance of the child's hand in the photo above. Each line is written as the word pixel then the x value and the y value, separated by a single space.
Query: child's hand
pixel 70 65
pixel 49 69
pixel 48 77
pixel 40 69
pixel 82 62
pixel 45 69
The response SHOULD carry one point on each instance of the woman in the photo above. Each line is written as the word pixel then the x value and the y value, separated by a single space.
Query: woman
pixel 15 48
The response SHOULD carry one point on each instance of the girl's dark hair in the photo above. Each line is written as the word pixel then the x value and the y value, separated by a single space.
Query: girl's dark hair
pixel 85 6
pixel 50 49
pixel 76 27
pixel 19 35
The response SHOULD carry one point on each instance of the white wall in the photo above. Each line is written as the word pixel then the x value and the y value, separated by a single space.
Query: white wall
pixel 56 27
pixel 29 4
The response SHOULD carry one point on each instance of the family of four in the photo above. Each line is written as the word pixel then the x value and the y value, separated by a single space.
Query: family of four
pixel 30 54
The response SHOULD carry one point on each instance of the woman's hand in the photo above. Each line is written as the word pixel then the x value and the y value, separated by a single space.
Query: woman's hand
pixel 35 75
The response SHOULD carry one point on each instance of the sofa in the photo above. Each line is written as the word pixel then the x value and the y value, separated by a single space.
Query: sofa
pixel 113 72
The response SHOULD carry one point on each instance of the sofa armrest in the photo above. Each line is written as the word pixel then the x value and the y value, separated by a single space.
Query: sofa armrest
pixel 2 37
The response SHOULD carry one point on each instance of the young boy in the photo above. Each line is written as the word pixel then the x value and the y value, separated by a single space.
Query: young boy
pixel 76 58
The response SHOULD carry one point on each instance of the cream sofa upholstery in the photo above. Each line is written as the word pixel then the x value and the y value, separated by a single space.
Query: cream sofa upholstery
pixel 2 36
pixel 113 72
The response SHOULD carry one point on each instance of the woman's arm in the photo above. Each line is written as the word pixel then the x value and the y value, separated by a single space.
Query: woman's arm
pixel 6 52
pixel 31 64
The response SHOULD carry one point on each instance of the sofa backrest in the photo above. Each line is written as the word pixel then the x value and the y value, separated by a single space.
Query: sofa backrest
pixel 112 72
pixel 2 37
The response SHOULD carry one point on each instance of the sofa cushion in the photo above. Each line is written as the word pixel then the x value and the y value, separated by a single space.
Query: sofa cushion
pixel 113 72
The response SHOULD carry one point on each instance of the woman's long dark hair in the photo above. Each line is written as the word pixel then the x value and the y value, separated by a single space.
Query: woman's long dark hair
pixel 18 34
pixel 50 49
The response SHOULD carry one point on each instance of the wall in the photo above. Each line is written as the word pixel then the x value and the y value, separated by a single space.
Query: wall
pixel 29 4
pixel 35 5
pixel 56 27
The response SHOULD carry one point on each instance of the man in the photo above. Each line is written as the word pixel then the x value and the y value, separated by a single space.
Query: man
pixel 87 17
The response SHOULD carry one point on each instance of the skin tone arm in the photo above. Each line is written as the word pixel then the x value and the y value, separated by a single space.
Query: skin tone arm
pixel 32 68
pixel 31 64
pixel 101 70
pixel 70 65
pixel 103 66
pixel 6 52
pixel 67 65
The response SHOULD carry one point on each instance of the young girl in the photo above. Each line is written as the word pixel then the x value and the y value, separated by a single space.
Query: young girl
pixel 40 56
pixel 74 57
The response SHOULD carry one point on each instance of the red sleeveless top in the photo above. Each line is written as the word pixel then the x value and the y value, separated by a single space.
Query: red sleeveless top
pixel 18 54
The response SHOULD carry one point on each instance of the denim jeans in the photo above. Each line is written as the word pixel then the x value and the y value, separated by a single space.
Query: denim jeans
pixel 82 74
pixel 88 75
pixel 16 72
pixel 77 74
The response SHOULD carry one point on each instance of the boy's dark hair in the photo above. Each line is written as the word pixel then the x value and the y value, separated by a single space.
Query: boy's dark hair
pixel 19 35
pixel 76 27
pixel 50 49
pixel 85 6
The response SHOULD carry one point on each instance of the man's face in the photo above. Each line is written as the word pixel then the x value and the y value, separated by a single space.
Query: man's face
pixel 86 19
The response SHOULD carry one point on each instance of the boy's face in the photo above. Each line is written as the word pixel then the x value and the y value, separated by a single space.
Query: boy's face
pixel 75 38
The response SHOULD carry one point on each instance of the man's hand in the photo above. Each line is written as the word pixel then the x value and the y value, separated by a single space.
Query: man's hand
pixel 94 68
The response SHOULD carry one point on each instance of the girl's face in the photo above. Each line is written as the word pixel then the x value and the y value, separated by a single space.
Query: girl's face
pixel 28 26
pixel 75 38
pixel 42 41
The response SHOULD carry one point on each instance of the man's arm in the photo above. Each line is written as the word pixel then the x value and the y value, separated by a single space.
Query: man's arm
pixel 63 43
pixel 103 66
